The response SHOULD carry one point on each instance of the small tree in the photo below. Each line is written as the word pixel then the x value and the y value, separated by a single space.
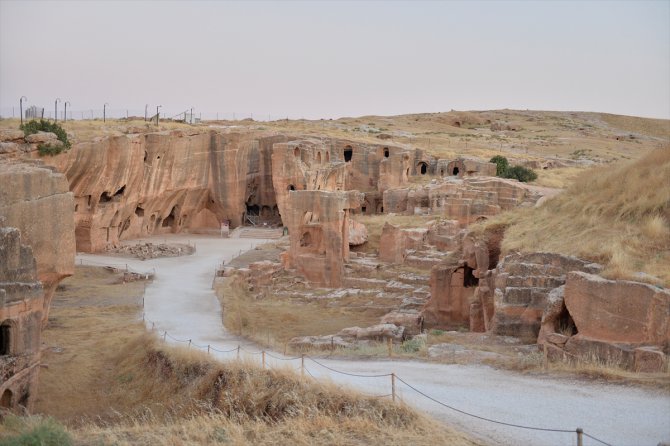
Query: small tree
pixel 501 164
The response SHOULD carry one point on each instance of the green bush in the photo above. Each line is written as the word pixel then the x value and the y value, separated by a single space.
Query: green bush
pixel 412 345
pixel 45 149
pixel 520 173
pixel 34 431
pixel 501 164
pixel 32 127
pixel 504 170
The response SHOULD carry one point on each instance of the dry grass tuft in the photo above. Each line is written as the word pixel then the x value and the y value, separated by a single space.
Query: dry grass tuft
pixel 618 216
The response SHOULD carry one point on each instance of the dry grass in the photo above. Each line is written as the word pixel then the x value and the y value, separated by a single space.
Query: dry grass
pixel 617 215
pixel 557 178
pixel 131 389
pixel 273 320
pixel 659 128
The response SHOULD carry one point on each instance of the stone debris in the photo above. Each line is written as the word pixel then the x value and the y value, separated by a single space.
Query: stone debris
pixel 146 251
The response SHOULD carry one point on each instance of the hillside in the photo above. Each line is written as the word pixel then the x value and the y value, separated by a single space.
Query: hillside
pixel 618 215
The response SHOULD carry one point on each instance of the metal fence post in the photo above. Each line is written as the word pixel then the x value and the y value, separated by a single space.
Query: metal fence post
pixel 164 335
pixel 263 356
pixel 546 357
pixel 208 349
pixel 393 386
pixel 302 366
pixel 238 352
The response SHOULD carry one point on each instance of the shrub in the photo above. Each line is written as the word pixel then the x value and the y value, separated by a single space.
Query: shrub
pixel 32 127
pixel 503 170
pixel 501 164
pixel 520 173
pixel 45 149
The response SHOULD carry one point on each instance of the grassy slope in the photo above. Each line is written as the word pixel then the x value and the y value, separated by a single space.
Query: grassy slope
pixel 617 215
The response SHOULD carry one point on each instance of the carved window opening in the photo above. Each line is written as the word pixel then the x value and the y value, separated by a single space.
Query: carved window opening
pixel 6 400
pixel 291 187
pixel 469 279
pixel 407 172
pixel 441 172
pixel 306 240
pixel 348 153
pixel 139 211
pixel 76 207
pixel 5 338
pixel 145 156
pixel 455 171
pixel 363 209
pixel 296 152
pixel 386 152
pixel 423 168
pixel 318 157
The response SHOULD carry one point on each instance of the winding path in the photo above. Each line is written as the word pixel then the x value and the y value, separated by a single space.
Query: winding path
pixel 181 302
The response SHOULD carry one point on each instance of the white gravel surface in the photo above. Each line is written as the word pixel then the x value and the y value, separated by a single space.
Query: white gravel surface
pixel 180 301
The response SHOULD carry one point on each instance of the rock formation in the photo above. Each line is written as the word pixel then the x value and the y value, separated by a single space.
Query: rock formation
pixel 36 252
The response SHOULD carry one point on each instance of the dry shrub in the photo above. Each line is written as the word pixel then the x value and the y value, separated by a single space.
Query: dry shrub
pixel 185 397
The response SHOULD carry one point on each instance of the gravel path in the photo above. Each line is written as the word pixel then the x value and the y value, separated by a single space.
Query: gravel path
pixel 181 302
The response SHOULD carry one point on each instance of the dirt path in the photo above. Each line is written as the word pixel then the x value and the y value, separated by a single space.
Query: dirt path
pixel 181 302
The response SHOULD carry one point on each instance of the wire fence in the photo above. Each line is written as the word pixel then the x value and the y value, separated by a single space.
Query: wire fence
pixel 579 432
pixel 189 115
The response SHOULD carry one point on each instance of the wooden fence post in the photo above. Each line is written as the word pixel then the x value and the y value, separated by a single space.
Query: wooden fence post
pixel 546 357
pixel 393 386
pixel 389 344
pixel 238 352
pixel 208 349
pixel 302 366
pixel 263 356
pixel 580 440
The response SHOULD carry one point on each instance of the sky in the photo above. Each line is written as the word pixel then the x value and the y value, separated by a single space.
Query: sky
pixel 330 59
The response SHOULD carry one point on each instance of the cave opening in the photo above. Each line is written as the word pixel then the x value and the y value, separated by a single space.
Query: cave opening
pixel 348 153
pixel 105 197
pixel 296 152
pixel 291 187
pixel 318 157
pixel 469 279
pixel 386 152
pixel 139 211
pixel 119 193
pixel 565 325
pixel 423 168
pixel 455 171
pixel 170 219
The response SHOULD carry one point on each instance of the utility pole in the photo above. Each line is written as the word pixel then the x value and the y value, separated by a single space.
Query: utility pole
pixel 157 107
pixel 104 112
pixel 56 110
pixel 65 114
pixel 21 106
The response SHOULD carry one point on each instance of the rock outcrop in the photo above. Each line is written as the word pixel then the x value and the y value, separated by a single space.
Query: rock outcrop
pixel 36 252
pixel 617 321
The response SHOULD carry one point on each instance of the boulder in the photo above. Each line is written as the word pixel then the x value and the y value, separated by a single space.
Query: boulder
pixel 412 320
pixel 618 310
pixel 8 147
pixel 358 233
pixel 650 360
pixel 41 138
pixel 11 135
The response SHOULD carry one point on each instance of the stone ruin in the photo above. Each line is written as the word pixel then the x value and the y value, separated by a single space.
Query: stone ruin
pixel 36 253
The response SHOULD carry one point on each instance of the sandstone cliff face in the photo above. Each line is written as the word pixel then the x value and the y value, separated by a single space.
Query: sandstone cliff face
pixel 36 201
pixel 136 185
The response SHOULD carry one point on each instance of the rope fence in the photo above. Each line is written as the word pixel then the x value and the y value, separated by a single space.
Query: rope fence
pixel 394 390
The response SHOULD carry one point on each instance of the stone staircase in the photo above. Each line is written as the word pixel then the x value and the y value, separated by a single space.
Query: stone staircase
pixel 262 233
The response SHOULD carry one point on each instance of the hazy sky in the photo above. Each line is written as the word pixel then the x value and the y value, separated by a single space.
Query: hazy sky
pixel 331 59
